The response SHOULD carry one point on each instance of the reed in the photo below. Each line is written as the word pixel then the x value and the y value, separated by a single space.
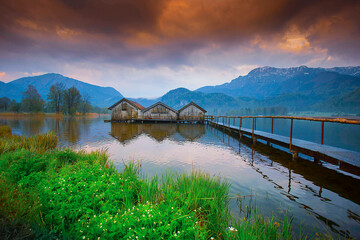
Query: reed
pixel 256 226
pixel 37 143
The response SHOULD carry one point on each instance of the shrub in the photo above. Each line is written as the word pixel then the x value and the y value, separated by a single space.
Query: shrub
pixel 5 131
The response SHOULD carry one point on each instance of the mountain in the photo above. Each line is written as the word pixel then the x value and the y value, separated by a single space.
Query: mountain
pixel 212 102
pixel 353 71
pixel 269 81
pixel 349 103
pixel 222 103
pixel 295 89
pixel 179 97
pixel 99 96
pixel 145 102
pixel 2 84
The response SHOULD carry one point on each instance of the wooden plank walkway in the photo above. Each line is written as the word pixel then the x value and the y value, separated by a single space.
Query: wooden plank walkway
pixel 334 155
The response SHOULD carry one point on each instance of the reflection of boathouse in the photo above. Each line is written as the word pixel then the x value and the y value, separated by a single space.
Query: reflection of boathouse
pixel 125 110
pixel 126 132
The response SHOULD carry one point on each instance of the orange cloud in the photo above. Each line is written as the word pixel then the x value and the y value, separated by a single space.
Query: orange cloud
pixel 67 33
pixel 144 39
pixel 294 41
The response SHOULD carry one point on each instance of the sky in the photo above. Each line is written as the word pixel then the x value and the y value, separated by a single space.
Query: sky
pixel 144 48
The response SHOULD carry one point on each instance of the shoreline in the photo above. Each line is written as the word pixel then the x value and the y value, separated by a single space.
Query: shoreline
pixel 50 115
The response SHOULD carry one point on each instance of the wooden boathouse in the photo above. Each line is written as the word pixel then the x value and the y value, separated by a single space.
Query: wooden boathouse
pixel 192 111
pixel 127 110
pixel 160 111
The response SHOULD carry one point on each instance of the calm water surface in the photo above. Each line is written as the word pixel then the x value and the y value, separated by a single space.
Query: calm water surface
pixel 319 198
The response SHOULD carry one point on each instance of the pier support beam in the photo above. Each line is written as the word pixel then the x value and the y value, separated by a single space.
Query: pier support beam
pixel 316 160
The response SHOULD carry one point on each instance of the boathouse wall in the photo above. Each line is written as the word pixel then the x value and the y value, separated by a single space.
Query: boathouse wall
pixel 125 111
pixel 160 111
pixel 191 112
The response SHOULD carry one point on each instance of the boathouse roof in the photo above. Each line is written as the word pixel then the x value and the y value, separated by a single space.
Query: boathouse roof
pixel 162 104
pixel 134 104
pixel 194 104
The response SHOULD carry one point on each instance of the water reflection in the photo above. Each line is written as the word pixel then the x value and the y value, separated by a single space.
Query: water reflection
pixel 28 125
pixel 320 175
pixel 125 132
pixel 69 129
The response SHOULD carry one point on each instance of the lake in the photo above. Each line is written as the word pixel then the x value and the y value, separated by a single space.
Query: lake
pixel 320 198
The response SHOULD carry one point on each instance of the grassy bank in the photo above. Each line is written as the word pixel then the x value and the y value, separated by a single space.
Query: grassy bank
pixel 51 193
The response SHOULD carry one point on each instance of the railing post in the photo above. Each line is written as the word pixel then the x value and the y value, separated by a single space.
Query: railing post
pixel 272 125
pixel 322 132
pixel 253 128
pixel 255 123
pixel 229 121
pixel 291 133
pixel 240 127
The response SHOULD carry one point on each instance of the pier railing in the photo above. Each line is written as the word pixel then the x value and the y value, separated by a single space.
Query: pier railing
pixel 226 120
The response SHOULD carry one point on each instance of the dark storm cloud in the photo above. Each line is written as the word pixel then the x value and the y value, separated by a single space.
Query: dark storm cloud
pixel 150 32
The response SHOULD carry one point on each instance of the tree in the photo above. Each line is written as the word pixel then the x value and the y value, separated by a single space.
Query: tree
pixel 85 104
pixel 4 104
pixel 55 95
pixel 72 99
pixel 14 106
pixel 32 101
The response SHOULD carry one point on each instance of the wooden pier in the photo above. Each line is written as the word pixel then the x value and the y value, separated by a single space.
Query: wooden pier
pixel 345 159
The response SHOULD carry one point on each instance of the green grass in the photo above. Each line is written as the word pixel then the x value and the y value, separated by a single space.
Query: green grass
pixel 49 193
pixel 198 192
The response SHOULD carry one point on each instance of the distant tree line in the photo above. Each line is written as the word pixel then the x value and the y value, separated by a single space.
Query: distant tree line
pixel 267 111
pixel 60 100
